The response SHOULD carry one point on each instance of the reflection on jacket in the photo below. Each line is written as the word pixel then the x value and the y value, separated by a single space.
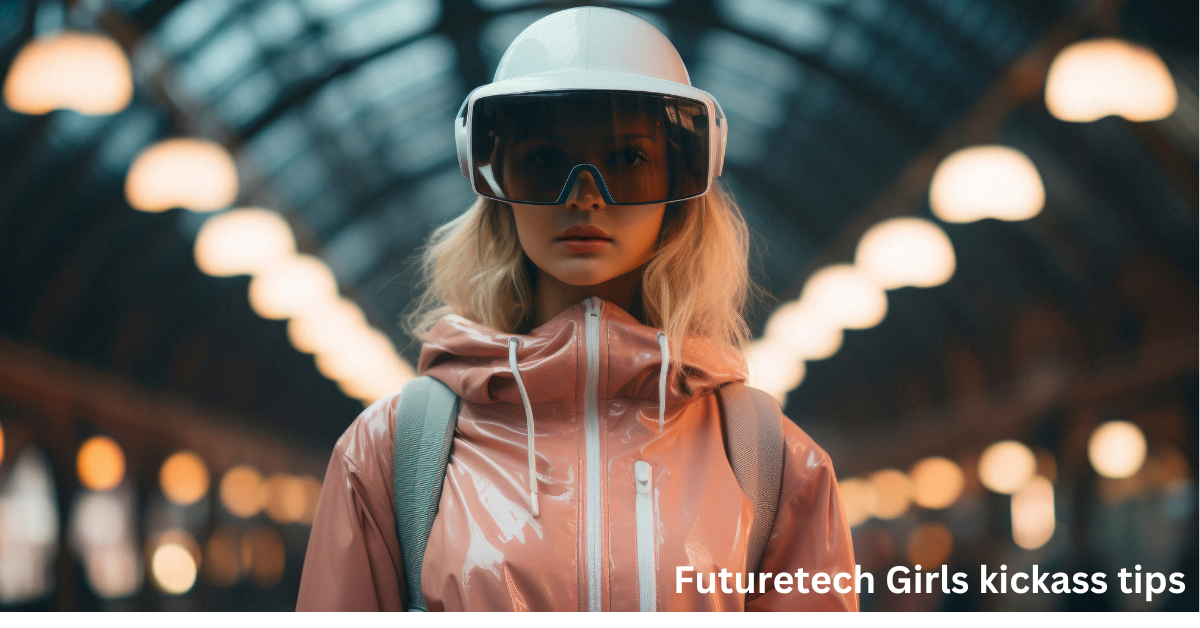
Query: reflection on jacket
pixel 487 551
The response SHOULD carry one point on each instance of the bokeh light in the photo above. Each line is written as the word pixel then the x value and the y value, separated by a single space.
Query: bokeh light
pixel 1117 449
pixel 893 493
pixel 191 173
pixel 222 565
pixel 986 182
pixel 292 286
pixel 1092 79
pixel 242 491
pixel 184 478
pixel 86 72
pixel 1006 466
pixel 773 369
pixel 929 545
pixel 264 556
pixel 845 296
pixel 937 482
pixel 858 498
pixel 243 241
pixel 286 498
pixel 802 332
pixel 906 251
pixel 1033 514
pixel 100 463
pixel 326 326
pixel 174 568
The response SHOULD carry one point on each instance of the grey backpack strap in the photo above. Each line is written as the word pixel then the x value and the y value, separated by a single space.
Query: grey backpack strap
pixel 424 429
pixel 754 444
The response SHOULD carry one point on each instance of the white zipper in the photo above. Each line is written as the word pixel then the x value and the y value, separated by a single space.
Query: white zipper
pixel 647 575
pixel 591 425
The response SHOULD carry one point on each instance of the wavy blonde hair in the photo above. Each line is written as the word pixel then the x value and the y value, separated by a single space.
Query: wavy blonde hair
pixel 696 284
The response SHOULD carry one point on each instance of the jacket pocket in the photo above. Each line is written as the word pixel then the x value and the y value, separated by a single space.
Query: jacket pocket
pixel 647 574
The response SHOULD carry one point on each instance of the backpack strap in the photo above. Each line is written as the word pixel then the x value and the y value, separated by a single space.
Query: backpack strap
pixel 425 423
pixel 754 445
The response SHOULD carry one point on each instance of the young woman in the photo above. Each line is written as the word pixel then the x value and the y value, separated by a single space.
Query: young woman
pixel 584 309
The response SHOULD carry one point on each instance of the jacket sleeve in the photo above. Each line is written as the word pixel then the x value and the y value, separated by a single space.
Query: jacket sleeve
pixel 810 532
pixel 353 558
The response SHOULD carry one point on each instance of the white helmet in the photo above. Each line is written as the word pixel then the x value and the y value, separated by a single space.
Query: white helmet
pixel 594 67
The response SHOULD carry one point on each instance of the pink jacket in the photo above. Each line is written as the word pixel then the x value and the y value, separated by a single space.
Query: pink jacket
pixel 592 381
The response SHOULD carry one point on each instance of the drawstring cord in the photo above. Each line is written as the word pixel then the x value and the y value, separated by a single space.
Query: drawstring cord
pixel 513 343
pixel 662 379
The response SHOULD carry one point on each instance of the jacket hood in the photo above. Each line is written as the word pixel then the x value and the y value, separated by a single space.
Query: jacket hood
pixel 473 360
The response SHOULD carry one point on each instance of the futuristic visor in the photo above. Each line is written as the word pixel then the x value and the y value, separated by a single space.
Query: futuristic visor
pixel 636 147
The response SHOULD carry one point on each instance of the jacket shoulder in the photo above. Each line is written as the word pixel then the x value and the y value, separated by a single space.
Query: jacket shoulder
pixel 369 442
pixel 803 458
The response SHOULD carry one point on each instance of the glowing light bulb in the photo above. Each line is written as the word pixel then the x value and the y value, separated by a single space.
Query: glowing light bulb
pixel 845 296
pixel 184 478
pixel 191 173
pixel 100 463
pixel 773 369
pixel 803 332
pixel 1092 79
pixel 986 182
pixel 937 482
pixel 1117 449
pixel 322 328
pixel 243 242
pixel 174 568
pixel 858 496
pixel 893 493
pixel 292 287
pixel 1006 466
pixel 906 252
pixel 929 545
pixel 1033 513
pixel 242 491
pixel 84 72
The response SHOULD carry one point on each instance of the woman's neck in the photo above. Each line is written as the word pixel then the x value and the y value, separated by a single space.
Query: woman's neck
pixel 552 296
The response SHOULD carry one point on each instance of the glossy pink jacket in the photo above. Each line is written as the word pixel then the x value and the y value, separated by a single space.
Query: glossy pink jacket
pixel 487 551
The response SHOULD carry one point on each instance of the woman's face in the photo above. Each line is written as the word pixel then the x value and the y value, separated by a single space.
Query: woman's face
pixel 584 242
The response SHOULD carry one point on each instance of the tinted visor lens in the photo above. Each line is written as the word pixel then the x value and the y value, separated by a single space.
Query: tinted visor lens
pixel 647 148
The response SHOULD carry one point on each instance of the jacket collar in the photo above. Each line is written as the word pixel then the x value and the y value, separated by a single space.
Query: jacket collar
pixel 472 359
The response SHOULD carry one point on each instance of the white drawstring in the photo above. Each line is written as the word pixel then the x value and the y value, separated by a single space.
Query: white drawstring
pixel 513 343
pixel 662 379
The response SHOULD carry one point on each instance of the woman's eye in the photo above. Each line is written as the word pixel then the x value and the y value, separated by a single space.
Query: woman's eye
pixel 543 158
pixel 634 157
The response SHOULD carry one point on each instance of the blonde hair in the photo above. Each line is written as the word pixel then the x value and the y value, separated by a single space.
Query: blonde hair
pixel 696 284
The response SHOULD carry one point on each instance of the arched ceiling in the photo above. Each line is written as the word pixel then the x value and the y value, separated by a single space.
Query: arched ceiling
pixel 338 112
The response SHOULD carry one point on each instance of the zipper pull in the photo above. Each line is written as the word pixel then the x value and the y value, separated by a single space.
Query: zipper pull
pixel 641 473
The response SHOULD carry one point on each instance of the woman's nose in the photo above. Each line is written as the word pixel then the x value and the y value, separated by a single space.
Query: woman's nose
pixel 585 195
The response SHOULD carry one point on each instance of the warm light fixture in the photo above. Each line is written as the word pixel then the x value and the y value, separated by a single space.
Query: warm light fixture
pixel 291 287
pixel 100 463
pixel 241 491
pixel 325 326
pixel 845 296
pixel 366 365
pixel 1033 513
pixel 986 182
pixel 803 332
pixel 184 478
pixel 191 173
pixel 858 497
pixel 85 72
pixel 243 241
pixel 1092 79
pixel 929 544
pixel 1117 449
pixel 174 568
pixel 774 369
pixel 893 493
pixel 937 482
pixel 1006 466
pixel 906 251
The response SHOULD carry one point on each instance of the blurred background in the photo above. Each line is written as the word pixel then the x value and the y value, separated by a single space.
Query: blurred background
pixel 976 221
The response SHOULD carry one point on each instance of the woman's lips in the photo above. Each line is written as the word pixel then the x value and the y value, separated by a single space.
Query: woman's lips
pixel 584 239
